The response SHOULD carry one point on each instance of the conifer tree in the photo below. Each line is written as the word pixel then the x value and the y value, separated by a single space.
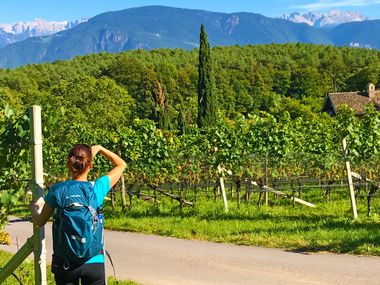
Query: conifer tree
pixel 207 103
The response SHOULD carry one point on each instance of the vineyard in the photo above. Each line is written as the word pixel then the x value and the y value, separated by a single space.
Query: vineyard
pixel 254 154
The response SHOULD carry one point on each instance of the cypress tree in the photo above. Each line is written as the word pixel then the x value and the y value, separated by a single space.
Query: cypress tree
pixel 207 103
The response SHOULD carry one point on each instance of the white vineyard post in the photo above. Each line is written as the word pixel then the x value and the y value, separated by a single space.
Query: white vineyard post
pixel 222 188
pixel 349 179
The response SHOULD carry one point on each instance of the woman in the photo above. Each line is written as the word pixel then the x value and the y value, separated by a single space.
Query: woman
pixel 78 193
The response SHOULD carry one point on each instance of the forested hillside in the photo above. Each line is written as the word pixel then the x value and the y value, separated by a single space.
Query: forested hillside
pixel 161 84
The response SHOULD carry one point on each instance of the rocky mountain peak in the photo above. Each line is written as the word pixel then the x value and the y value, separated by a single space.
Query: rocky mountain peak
pixel 14 32
pixel 330 19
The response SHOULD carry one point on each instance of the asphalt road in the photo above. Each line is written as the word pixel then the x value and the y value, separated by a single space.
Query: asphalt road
pixel 162 260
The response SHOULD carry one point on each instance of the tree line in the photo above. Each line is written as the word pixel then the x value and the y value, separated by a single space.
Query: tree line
pixel 161 85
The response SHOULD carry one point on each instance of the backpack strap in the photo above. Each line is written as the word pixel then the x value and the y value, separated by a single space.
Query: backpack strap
pixel 113 267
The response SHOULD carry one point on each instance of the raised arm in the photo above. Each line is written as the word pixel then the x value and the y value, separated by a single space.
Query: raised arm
pixel 118 163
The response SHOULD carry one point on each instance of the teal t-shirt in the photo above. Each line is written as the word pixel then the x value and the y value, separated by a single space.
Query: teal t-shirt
pixel 101 187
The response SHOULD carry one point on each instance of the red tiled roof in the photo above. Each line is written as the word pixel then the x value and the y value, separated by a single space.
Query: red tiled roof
pixel 351 99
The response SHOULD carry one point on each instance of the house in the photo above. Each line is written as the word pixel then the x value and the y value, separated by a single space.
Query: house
pixel 354 100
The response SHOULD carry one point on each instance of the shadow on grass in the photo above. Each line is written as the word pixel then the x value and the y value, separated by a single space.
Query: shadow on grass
pixel 218 215
pixel 354 246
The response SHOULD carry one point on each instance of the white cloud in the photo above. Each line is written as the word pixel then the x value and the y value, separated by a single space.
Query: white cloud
pixel 326 4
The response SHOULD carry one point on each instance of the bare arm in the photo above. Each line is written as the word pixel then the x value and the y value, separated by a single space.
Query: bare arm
pixel 41 212
pixel 118 163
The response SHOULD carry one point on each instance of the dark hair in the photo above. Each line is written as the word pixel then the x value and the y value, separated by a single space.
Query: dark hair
pixel 79 158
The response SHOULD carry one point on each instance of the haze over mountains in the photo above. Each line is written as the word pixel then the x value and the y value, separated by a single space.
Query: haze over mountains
pixel 166 27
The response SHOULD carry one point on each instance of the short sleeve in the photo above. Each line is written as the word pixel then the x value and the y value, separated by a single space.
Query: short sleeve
pixel 50 199
pixel 102 186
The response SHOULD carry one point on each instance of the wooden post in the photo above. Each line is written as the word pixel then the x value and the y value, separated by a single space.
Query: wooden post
pixel 266 182
pixel 221 181
pixel 293 192
pixel 123 201
pixel 16 260
pixel 113 198
pixel 123 194
pixel 349 178
pixel 37 179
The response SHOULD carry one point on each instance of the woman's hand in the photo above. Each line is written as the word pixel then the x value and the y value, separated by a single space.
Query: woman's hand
pixel 117 162
pixel 36 206
pixel 95 149
pixel 41 211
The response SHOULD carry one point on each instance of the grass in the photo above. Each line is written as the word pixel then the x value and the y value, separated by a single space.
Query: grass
pixel 329 227
pixel 25 273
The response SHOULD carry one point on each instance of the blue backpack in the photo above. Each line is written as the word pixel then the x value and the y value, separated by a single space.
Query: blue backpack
pixel 77 229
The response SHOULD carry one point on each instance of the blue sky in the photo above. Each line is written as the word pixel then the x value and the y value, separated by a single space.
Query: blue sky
pixel 23 10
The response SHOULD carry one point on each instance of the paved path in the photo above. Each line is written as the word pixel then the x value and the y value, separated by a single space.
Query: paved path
pixel 161 260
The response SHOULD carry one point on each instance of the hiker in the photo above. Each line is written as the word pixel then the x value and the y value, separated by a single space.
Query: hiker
pixel 78 252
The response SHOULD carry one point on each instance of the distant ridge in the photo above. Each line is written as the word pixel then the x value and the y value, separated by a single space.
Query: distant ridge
pixel 364 34
pixel 154 27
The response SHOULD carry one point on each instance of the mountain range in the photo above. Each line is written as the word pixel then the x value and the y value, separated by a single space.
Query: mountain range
pixel 15 32
pixel 330 19
pixel 166 27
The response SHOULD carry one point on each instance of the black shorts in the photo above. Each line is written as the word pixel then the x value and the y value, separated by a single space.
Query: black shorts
pixel 87 273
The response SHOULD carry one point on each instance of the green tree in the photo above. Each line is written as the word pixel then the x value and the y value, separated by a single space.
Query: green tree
pixel 94 103
pixel 207 103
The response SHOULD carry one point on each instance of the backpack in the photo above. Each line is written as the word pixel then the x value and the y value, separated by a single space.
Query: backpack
pixel 77 229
